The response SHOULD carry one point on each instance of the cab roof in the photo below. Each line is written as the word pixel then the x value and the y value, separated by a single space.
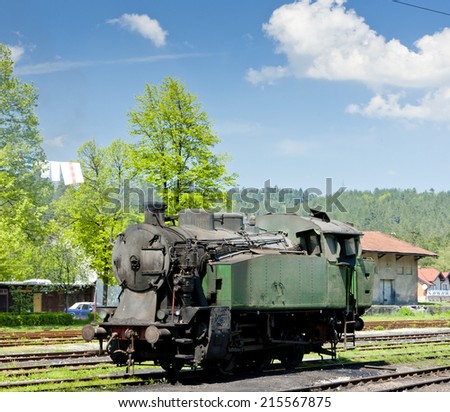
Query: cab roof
pixel 292 224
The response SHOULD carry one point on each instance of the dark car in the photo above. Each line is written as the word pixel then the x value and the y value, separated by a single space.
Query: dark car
pixel 80 310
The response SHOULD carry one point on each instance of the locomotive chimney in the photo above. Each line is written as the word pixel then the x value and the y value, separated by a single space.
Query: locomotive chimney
pixel 154 213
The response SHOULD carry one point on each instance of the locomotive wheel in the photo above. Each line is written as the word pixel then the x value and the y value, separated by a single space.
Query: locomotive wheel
pixel 262 362
pixel 173 370
pixel 293 359
pixel 293 356
pixel 171 367
pixel 227 366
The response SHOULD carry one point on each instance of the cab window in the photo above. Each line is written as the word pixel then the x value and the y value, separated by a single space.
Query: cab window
pixel 309 241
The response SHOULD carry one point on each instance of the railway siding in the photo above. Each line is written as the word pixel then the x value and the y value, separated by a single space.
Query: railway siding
pixel 31 369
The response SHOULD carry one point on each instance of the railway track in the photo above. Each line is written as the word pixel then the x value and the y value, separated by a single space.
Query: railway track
pixel 145 376
pixel 397 340
pixel 401 324
pixel 96 380
pixel 74 335
pixel 26 366
pixel 416 334
pixel 25 338
pixel 23 357
pixel 32 371
pixel 79 369
pixel 424 344
pixel 387 382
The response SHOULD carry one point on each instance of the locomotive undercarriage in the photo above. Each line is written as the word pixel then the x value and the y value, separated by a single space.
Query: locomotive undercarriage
pixel 219 338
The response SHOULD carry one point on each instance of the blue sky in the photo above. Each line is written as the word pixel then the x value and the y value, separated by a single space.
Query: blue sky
pixel 357 91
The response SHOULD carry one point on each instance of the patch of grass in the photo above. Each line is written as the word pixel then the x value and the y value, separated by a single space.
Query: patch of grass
pixel 77 325
pixel 410 354
pixel 64 374
pixel 406 313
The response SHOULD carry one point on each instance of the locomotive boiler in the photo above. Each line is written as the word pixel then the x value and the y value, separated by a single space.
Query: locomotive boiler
pixel 213 292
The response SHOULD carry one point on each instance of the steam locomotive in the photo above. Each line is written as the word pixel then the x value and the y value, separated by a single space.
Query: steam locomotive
pixel 215 292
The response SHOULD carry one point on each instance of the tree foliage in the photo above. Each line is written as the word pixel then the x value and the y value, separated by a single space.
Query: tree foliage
pixel 64 239
pixel 21 153
pixel 175 148
pixel 422 219
pixel 24 195
pixel 85 209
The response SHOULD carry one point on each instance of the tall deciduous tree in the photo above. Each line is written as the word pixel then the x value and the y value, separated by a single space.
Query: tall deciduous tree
pixel 23 194
pixel 87 209
pixel 175 148
pixel 66 264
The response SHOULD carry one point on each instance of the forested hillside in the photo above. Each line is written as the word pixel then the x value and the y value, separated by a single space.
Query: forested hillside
pixel 419 218
pixel 422 219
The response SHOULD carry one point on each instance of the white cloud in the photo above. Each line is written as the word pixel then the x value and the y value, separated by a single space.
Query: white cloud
pixel 434 106
pixel 324 40
pixel 57 141
pixel 143 25
pixel 16 52
pixel 267 74
pixel 51 67
pixel 67 65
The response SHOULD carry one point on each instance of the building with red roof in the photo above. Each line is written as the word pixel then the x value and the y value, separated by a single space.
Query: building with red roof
pixel 396 268
pixel 433 286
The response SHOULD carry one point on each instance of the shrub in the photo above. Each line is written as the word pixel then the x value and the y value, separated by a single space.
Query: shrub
pixel 405 311
pixel 36 319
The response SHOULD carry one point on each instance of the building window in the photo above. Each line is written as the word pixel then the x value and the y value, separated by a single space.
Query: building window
pixel 404 270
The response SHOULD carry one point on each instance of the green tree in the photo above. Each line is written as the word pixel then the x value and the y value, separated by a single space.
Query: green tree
pixel 86 210
pixel 65 264
pixel 175 149
pixel 23 194
pixel 16 253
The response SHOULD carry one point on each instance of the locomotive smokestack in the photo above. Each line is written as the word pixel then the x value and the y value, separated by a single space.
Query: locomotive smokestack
pixel 154 213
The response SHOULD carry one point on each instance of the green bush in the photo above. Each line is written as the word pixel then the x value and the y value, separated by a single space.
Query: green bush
pixel 405 311
pixel 35 319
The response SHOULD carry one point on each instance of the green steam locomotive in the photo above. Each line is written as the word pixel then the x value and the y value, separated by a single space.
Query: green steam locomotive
pixel 214 291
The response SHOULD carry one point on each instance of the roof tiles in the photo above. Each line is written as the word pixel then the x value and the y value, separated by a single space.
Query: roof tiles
pixel 373 241
pixel 428 275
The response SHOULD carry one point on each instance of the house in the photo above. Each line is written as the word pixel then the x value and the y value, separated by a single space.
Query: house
pixel 433 286
pixel 40 295
pixel 396 268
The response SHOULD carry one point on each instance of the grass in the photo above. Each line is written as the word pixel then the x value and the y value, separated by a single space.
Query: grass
pixel 410 355
pixel 66 373
pixel 406 313
pixel 77 325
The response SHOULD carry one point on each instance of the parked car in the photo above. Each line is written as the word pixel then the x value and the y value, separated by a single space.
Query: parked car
pixel 80 310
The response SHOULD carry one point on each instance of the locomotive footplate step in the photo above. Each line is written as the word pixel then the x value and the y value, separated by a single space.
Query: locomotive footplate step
pixel 183 356
pixel 184 341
